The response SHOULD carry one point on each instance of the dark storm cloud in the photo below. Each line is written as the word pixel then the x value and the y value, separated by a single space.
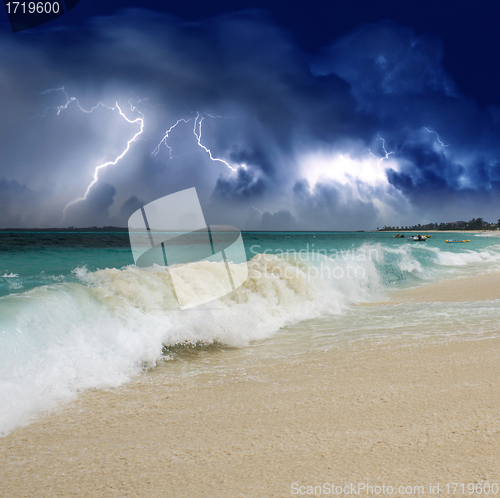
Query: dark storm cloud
pixel 95 207
pixel 12 197
pixel 130 206
pixel 446 146
pixel 18 203
pixel 388 59
pixel 328 205
pixel 427 170
pixel 255 158
pixel 262 107
pixel 243 185
pixel 283 219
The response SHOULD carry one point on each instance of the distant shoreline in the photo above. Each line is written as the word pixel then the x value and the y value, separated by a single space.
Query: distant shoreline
pixel 439 231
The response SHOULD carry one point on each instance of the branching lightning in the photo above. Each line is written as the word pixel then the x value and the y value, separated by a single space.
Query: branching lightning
pixel 138 120
pixel 437 136
pixel 197 124
pixel 387 154
pixel 197 133
pixel 69 100
pixel 165 137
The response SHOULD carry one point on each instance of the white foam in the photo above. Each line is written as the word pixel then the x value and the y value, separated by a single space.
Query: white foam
pixel 446 258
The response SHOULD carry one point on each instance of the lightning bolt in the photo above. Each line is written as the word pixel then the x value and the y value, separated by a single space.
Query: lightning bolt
pixel 198 120
pixel 165 137
pixel 387 154
pixel 95 179
pixel 437 136
pixel 69 100
pixel 256 209
pixel 138 120
pixel 197 123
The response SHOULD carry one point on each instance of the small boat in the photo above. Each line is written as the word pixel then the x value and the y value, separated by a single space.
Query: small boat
pixel 456 241
pixel 397 236
pixel 419 238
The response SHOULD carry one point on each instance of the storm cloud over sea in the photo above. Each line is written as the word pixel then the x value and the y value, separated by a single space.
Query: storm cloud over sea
pixel 370 130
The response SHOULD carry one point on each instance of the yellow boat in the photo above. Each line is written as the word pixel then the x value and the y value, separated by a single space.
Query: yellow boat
pixel 456 241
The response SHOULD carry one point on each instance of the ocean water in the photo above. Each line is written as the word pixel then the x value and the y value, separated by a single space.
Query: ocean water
pixel 76 314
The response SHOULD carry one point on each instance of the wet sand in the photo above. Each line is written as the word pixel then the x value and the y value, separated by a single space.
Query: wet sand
pixel 394 413
pixel 474 288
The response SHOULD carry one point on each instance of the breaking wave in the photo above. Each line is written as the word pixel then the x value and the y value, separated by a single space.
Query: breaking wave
pixel 59 339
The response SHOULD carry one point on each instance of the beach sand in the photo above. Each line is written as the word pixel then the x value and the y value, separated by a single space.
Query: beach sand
pixel 473 288
pixel 410 412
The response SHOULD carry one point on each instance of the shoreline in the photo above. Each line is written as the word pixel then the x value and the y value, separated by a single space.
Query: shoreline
pixel 470 288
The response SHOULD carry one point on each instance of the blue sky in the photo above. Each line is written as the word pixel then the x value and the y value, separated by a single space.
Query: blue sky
pixel 317 117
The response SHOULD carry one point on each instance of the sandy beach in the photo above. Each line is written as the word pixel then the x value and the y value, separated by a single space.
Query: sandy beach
pixel 410 413
pixel 473 288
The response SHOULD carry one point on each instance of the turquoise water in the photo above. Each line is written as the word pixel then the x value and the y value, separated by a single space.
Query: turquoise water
pixel 75 313
pixel 32 259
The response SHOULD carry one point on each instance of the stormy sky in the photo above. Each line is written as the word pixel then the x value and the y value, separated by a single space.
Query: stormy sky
pixel 315 120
